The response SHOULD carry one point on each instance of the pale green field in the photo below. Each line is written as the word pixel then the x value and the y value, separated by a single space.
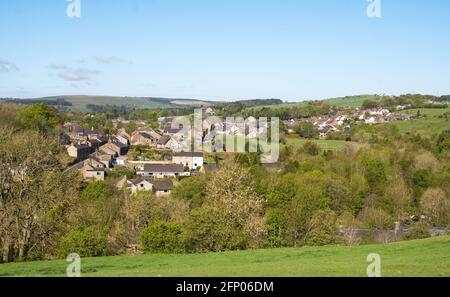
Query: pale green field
pixel 429 257
pixel 332 145
pixel 350 101
pixel 427 126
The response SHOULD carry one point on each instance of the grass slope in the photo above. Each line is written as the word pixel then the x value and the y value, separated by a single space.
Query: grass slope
pixel 349 101
pixel 429 257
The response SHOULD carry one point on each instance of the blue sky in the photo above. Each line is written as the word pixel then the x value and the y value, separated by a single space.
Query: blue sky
pixel 224 49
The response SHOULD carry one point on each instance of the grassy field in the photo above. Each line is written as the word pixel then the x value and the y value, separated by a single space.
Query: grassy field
pixel 350 101
pixel 332 145
pixel 429 257
pixel 428 125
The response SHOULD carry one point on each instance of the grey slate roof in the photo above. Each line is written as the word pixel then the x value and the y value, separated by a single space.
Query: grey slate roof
pixel 164 139
pixel 163 185
pixel 188 154
pixel 156 168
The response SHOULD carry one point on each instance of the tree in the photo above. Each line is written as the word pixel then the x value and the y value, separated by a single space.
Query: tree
pixel 419 230
pixel 232 200
pixel 275 228
pixel 191 189
pixel 89 242
pixel 322 228
pixel 208 231
pixel 36 196
pixel 311 148
pixel 397 199
pixel 369 104
pixel 307 130
pixel 38 116
pixel 162 237
pixel 421 180
pixel 435 204
pixel 376 218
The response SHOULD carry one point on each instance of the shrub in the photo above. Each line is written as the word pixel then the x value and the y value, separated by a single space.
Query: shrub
pixel 89 242
pixel 418 231
pixel 162 237
pixel 324 229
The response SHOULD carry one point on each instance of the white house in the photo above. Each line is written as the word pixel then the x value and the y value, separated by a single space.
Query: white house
pixel 162 170
pixel 192 160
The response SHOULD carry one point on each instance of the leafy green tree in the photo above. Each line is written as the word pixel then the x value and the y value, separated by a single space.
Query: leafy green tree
pixel 162 237
pixel 38 116
pixel 88 242
pixel 419 230
pixel 307 130
pixel 435 204
pixel 275 228
pixel 191 189
pixel 323 228
pixel 376 218
pixel 421 180
pixel 208 231
pixel 369 104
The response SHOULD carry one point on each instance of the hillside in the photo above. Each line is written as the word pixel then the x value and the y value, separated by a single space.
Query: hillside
pixel 79 102
pixel 429 257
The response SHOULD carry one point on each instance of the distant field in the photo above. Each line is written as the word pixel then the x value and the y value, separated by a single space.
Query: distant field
pixel 80 102
pixel 429 257
pixel 324 144
pixel 350 101
pixel 429 125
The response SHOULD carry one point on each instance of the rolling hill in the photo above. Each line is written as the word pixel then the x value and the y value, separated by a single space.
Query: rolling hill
pixel 80 102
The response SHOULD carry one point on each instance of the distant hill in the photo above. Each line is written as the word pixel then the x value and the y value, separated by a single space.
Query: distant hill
pixel 80 102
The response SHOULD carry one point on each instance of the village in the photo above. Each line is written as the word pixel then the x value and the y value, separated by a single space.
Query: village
pixel 343 120
pixel 158 157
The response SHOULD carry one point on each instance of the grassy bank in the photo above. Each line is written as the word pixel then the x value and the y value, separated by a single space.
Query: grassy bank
pixel 429 257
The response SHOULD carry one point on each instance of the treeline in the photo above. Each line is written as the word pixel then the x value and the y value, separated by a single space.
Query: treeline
pixel 309 109
pixel 234 108
pixel 413 100
pixel 48 212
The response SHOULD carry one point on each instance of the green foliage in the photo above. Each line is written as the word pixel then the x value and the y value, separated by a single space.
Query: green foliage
pixel 162 237
pixel 307 130
pixel 323 228
pixel 191 189
pixel 207 231
pixel 369 104
pixel 38 116
pixel 88 242
pixel 421 180
pixel 275 228
pixel 419 230
pixel 376 218
pixel 311 148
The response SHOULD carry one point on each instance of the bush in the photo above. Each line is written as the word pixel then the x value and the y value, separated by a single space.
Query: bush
pixel 311 148
pixel 420 230
pixel 89 242
pixel 324 229
pixel 162 237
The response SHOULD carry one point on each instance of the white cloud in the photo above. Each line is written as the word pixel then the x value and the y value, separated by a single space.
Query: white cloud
pixel 79 74
pixel 7 66
pixel 107 60
pixel 58 66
